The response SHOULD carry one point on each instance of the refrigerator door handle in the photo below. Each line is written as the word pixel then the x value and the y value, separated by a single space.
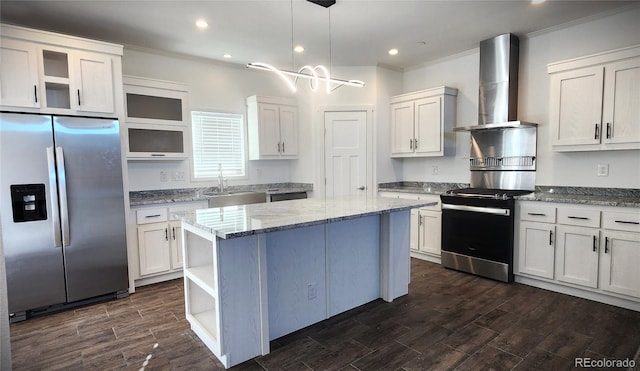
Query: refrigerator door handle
pixel 53 196
pixel 62 184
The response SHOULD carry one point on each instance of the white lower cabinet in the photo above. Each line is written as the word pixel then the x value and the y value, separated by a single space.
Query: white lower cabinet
pixel 153 248
pixel 577 255
pixel 429 232
pixel 537 249
pixel 159 242
pixel 591 251
pixel 426 226
pixel 620 260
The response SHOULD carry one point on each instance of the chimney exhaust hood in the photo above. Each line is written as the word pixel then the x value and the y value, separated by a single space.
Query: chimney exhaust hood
pixel 498 89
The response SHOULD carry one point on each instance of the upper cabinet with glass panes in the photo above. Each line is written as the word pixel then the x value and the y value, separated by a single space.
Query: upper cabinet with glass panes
pixel 52 73
pixel 157 118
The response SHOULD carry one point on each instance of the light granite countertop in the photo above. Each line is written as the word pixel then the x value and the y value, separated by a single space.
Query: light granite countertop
pixel 243 220
pixel 621 197
pixel 137 198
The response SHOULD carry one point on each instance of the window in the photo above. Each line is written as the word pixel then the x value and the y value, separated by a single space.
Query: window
pixel 218 141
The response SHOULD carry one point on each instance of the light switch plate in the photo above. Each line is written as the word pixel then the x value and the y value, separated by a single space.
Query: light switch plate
pixel 603 170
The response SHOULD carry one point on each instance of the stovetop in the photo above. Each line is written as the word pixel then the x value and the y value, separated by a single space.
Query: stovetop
pixel 491 193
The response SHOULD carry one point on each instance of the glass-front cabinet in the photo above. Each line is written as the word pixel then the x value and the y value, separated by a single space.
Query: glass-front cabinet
pixel 157 118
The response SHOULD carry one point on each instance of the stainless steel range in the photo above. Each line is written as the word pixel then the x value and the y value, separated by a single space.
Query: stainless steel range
pixel 477 222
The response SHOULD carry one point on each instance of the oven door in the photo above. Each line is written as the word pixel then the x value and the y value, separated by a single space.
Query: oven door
pixel 477 235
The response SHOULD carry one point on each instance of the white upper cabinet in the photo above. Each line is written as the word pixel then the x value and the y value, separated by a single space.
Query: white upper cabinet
pixel 272 127
pixel 53 73
pixel 422 123
pixel 595 102
pixel 621 112
pixel 93 82
pixel 157 118
pixel 19 74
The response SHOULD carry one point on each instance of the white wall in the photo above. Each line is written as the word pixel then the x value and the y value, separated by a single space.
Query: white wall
pixel 213 86
pixel 224 87
pixel 536 50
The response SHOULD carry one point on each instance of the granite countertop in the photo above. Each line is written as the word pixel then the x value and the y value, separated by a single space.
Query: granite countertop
pixel 622 197
pixel 243 220
pixel 137 198
pixel 420 187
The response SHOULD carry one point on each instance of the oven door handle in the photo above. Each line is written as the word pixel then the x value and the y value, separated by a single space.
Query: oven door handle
pixel 478 209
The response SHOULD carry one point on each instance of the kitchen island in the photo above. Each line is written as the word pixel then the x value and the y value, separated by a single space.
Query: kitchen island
pixel 253 273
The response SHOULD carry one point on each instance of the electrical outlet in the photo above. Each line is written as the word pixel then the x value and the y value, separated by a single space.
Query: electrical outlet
pixel 163 176
pixel 313 291
pixel 174 176
pixel 434 170
pixel 603 170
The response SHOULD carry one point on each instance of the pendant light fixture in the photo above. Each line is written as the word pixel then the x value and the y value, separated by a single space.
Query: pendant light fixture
pixel 315 74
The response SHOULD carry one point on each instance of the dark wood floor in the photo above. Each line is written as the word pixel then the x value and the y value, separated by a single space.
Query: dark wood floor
pixel 449 320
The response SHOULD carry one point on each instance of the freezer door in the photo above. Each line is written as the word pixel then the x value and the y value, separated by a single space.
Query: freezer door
pixel 91 205
pixel 35 275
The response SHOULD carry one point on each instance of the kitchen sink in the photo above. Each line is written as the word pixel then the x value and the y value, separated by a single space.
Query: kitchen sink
pixel 236 198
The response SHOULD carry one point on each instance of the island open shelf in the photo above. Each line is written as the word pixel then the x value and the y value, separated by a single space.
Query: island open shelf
pixel 254 273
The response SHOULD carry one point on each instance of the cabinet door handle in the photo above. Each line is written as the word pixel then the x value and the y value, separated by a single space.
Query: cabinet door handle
pixel 278 147
pixel 595 242
pixel 537 214
pixel 597 134
pixel 173 232
pixel 35 92
pixel 415 143
pixel 606 245
pixel 578 217
pixel 608 130
pixel 166 234
pixel 79 97
pixel 627 222
pixel 550 238
pixel 410 143
pixel 282 147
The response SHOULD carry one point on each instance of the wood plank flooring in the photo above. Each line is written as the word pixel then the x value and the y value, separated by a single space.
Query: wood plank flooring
pixel 449 320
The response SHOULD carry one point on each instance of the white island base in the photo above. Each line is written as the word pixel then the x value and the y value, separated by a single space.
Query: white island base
pixel 242 292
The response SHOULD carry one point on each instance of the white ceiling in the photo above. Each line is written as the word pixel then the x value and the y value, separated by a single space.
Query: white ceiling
pixel 356 32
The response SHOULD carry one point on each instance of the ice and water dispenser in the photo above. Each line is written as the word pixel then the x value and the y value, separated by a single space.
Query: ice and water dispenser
pixel 28 202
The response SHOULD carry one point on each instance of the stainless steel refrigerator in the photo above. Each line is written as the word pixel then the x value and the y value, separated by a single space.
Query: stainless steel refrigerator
pixel 62 210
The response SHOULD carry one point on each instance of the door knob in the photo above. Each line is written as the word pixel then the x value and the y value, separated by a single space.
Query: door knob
pixel 362 188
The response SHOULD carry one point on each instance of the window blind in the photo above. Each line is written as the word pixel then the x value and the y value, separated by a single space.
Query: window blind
pixel 218 140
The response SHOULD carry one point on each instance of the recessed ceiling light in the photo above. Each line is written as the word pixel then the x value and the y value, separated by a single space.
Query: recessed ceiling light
pixel 202 24
pixel 298 49
pixel 227 56
pixel 536 2
pixel 393 51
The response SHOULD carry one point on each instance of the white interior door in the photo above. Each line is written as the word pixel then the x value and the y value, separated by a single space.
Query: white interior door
pixel 345 153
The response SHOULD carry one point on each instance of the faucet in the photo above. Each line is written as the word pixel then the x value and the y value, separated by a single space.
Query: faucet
pixel 220 179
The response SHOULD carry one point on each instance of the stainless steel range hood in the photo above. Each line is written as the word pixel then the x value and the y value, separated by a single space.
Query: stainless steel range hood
pixel 498 90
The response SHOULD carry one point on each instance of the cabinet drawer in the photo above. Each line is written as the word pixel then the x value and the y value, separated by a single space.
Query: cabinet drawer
pixel 579 217
pixel 146 216
pixel 535 213
pixel 621 221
